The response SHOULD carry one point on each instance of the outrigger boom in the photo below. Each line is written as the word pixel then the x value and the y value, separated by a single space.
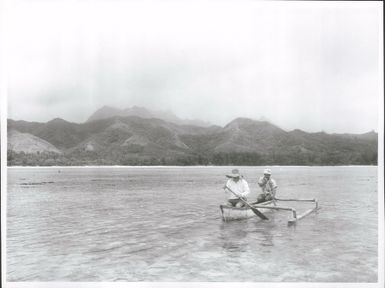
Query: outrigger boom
pixel 267 206
pixel 294 217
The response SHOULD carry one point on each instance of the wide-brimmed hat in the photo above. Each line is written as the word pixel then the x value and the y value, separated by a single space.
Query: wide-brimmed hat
pixel 234 174
pixel 267 171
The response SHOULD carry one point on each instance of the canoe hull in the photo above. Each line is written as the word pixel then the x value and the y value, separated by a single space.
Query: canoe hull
pixel 232 213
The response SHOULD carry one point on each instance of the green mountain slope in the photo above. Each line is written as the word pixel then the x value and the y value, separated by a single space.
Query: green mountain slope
pixel 134 140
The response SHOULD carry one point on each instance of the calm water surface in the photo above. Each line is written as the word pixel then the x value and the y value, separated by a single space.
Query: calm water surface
pixel 164 224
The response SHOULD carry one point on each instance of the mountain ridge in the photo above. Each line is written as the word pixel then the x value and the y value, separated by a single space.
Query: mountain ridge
pixel 133 140
pixel 108 112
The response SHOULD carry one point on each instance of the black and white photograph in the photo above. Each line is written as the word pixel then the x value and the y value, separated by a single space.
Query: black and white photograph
pixel 192 143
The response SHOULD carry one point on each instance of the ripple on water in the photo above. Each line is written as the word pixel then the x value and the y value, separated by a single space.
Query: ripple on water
pixel 146 229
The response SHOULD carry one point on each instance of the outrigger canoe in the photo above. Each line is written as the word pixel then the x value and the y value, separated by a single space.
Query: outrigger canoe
pixel 233 213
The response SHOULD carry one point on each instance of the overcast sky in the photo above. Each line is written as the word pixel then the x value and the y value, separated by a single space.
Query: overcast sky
pixel 312 66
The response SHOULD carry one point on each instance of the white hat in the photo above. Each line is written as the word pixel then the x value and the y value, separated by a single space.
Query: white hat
pixel 234 174
pixel 267 171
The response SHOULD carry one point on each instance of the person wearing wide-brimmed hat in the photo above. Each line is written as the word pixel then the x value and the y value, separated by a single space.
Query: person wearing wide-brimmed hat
pixel 239 186
pixel 268 185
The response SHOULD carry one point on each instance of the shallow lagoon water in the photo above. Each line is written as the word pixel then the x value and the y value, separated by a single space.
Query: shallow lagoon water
pixel 164 224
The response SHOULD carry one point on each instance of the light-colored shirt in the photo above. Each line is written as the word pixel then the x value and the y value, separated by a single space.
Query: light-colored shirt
pixel 241 188
pixel 268 187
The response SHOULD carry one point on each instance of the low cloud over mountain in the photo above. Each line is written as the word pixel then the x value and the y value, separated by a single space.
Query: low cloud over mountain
pixel 108 112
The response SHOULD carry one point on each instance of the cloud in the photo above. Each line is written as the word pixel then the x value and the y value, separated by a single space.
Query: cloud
pixel 303 65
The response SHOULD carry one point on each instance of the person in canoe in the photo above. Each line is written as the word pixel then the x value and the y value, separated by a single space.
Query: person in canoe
pixel 268 186
pixel 239 187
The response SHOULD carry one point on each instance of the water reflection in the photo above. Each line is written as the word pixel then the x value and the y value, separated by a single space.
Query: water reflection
pixel 266 238
pixel 264 231
pixel 233 236
pixel 243 235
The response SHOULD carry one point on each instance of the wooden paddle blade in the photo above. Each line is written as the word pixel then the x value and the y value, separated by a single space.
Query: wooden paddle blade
pixel 255 210
pixel 259 213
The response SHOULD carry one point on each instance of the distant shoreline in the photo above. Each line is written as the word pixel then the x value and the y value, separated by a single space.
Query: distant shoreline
pixel 188 167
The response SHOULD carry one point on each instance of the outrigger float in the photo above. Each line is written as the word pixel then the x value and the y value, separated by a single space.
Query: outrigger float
pixel 233 213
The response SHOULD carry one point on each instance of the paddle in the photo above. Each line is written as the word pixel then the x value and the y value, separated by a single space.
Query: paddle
pixel 255 210
pixel 274 201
